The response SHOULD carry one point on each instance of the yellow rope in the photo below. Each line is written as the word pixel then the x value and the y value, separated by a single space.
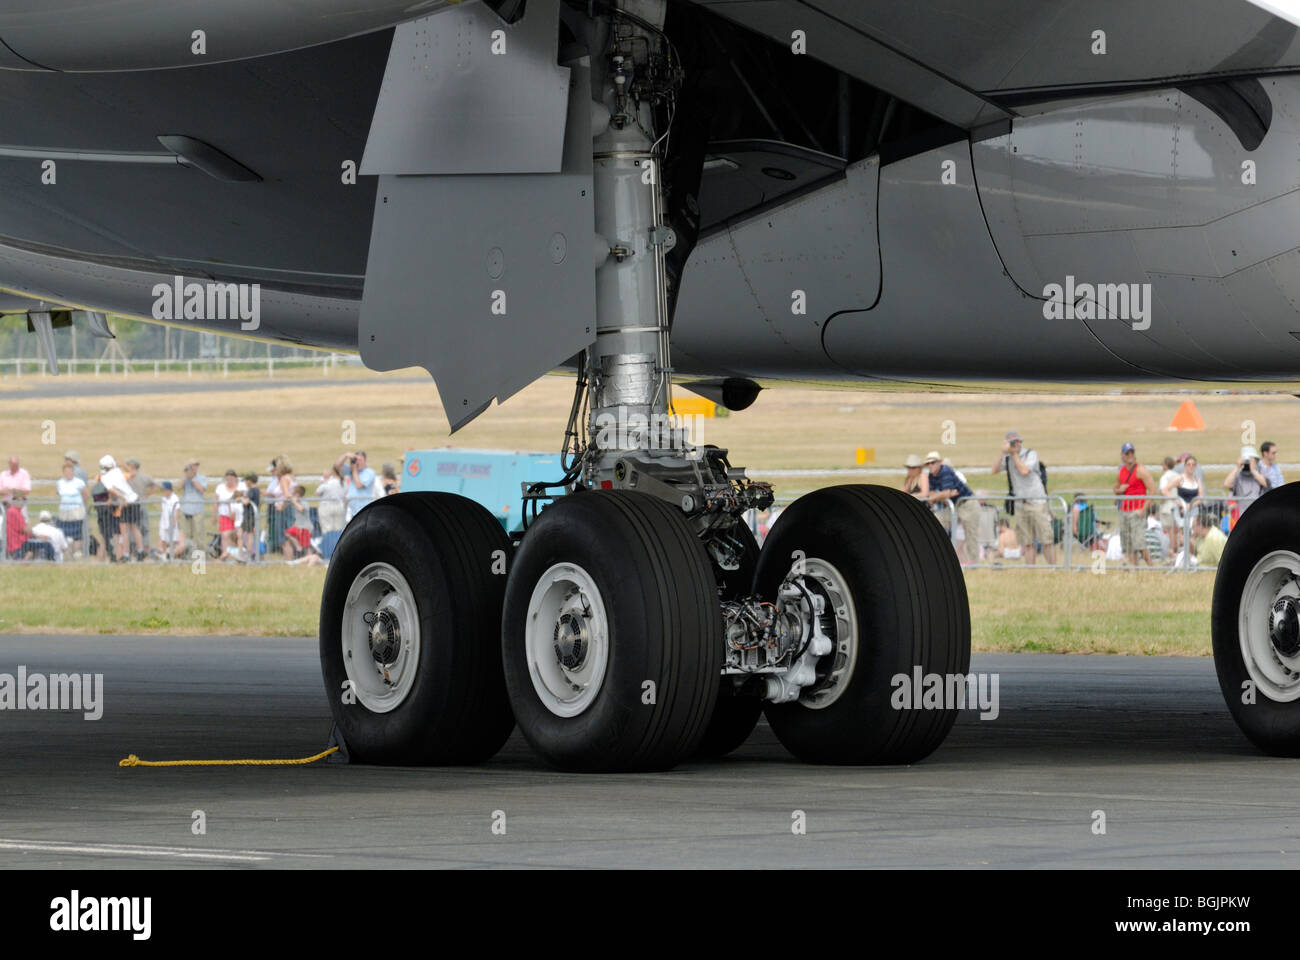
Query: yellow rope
pixel 134 761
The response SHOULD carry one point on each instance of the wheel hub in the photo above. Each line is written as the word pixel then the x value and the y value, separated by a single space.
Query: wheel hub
pixel 380 637
pixel 1284 626
pixel 385 636
pixel 566 639
pixel 1268 625
pixel 839 622
pixel 571 640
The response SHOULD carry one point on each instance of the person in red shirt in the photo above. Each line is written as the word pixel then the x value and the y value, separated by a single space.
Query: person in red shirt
pixel 1134 481
pixel 17 529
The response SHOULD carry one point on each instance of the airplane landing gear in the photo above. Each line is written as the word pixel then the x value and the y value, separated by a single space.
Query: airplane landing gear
pixel 639 625
pixel 1255 622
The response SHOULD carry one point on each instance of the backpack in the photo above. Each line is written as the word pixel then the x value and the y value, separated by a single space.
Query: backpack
pixel 1009 506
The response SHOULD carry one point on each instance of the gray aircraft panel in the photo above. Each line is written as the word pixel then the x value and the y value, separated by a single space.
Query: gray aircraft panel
pixel 831 41
pixel 739 283
pixel 1001 45
pixel 75 35
pixel 833 264
pixel 483 108
pixel 946 308
pixel 295 118
pixel 1149 189
pixel 309 320
pixel 740 176
pixel 430 291
pixel 1223 317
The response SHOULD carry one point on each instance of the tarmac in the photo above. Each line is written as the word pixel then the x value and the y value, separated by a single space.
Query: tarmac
pixel 1142 746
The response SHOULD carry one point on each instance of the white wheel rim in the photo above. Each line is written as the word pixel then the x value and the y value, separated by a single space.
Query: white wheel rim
pixel 566 639
pixel 381 638
pixel 1274 666
pixel 841 626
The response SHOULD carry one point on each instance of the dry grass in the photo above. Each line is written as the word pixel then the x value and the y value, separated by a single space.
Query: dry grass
pixel 787 428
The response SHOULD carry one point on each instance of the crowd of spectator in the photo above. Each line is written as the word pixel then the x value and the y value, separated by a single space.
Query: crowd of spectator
pixel 1150 516
pixel 103 516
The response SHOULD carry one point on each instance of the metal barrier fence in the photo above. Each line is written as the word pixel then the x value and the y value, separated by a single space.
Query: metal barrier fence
pixel 125 366
pixel 1078 530
pixel 284 530
pixel 1075 530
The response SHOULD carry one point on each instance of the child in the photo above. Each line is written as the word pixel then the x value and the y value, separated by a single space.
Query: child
pixel 297 538
pixel 171 541
pixel 252 502
pixel 230 513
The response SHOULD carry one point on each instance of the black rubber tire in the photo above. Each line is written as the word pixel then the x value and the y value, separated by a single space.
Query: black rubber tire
pixel 446 546
pixel 910 598
pixel 661 601
pixel 734 716
pixel 1271 523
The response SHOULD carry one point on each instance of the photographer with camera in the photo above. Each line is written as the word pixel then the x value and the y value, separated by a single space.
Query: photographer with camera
pixel 193 517
pixel 1033 518
pixel 358 481
pixel 1246 480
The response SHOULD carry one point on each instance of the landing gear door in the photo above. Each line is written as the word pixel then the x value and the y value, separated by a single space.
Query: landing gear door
pixel 486 280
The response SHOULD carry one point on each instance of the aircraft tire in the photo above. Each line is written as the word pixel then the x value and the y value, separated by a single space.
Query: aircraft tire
pixel 1255 622
pixel 410 632
pixel 612 634
pixel 896 601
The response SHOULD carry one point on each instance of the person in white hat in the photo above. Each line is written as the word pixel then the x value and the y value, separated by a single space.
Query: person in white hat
pixel 946 485
pixel 1246 480
pixel 45 530
pixel 917 481
pixel 119 493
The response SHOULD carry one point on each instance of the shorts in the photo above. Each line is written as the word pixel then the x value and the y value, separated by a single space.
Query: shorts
pixel 71 528
pixel 1033 522
pixel 131 513
pixel 331 515
pixel 1133 530
pixel 225 524
pixel 108 524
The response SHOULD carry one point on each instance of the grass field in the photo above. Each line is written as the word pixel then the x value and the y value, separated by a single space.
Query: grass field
pixel 1011 610
pixel 811 430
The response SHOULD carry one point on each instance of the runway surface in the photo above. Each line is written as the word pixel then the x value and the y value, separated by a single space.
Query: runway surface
pixel 1145 740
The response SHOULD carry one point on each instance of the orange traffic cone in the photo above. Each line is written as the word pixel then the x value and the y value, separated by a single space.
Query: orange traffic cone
pixel 1187 418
